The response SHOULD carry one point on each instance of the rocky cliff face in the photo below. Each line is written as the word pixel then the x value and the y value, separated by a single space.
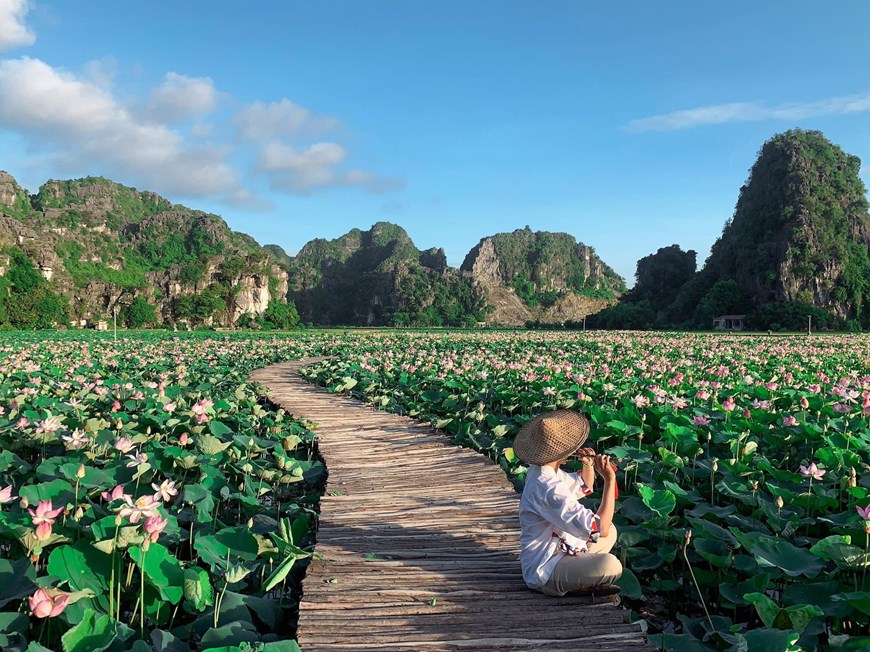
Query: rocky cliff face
pixel 800 230
pixel 101 244
pixel 541 276
pixel 378 277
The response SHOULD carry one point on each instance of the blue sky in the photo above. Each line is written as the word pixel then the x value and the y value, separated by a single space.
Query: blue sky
pixel 629 125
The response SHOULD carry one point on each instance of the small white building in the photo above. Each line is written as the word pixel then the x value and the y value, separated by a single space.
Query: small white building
pixel 729 323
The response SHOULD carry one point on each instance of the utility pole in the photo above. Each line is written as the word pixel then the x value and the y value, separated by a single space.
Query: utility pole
pixel 115 312
pixel 809 324
pixel 584 323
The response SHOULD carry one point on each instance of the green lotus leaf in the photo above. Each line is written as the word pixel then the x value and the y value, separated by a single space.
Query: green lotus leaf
pixel 772 552
pixel 162 570
pixel 661 501
pixel 92 634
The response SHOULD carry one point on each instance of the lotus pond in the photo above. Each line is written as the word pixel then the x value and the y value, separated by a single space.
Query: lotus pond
pixel 151 499
pixel 743 517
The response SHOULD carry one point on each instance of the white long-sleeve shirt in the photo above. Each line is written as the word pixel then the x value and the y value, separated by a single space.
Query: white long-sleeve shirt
pixel 550 506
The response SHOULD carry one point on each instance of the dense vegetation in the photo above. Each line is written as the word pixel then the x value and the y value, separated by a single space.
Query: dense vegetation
pixel 26 301
pixel 173 501
pixel 744 494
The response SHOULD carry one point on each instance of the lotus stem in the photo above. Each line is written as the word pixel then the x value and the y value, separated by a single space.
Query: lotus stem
pixel 866 546
pixel 686 541
pixel 112 574
pixel 142 590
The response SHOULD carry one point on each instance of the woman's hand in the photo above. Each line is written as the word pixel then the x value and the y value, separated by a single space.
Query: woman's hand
pixel 604 467
pixel 586 455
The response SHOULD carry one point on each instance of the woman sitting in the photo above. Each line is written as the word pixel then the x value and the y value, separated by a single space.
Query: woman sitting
pixel 564 546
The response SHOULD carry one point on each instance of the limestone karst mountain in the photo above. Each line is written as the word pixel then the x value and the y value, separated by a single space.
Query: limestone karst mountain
pixel 379 277
pixel 89 245
pixel 99 244
pixel 541 276
pixel 800 229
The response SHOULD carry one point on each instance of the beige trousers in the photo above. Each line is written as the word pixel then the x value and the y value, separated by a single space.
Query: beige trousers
pixel 598 566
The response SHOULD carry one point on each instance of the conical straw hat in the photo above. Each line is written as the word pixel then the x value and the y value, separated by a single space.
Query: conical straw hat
pixel 551 436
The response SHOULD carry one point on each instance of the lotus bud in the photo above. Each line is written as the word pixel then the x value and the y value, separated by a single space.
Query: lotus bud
pixel 118 520
pixel 688 537
pixel 853 478
pixel 250 523
pixel 709 436
pixel 779 503
pixel 119 424
pixel 80 472
pixel 78 514
pixel 146 544
pixel 148 430
pixel 250 442
pixel 715 466
pixel 24 504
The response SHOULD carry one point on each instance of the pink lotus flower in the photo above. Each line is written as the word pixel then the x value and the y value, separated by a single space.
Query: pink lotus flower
pixel 142 507
pixel 153 526
pixel 728 404
pixel 165 490
pixel 6 495
pixel 76 440
pixel 842 408
pixel 43 518
pixel 640 401
pixel 700 420
pixel 136 459
pixel 812 471
pixel 804 402
pixel 789 421
pixel 124 445
pixel 48 605
pixel 183 440
pixel 170 407
pixel 202 405
pixel 51 424
pixel 864 513
pixel 117 492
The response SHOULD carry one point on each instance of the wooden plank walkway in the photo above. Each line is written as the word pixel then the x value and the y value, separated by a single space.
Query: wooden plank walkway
pixel 420 543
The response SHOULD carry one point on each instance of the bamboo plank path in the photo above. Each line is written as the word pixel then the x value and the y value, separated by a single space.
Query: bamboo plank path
pixel 419 543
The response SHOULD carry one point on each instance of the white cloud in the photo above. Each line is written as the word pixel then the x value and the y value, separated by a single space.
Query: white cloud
pixel 303 170
pixel 751 112
pixel 88 128
pixel 13 32
pixel 180 98
pixel 262 121
pixel 76 123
